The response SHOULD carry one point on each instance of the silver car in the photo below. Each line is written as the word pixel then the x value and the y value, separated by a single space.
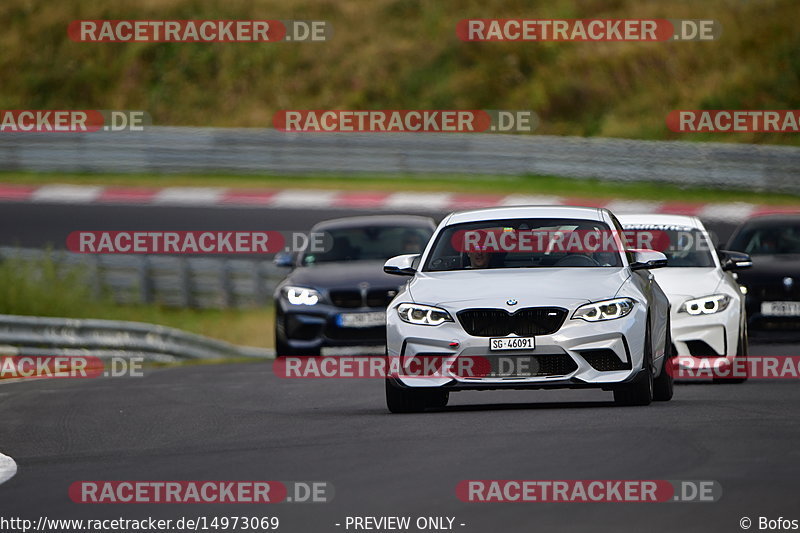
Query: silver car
pixel 497 301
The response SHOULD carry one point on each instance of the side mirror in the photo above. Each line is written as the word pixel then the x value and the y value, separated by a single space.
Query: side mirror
pixel 284 259
pixel 648 259
pixel 732 261
pixel 402 265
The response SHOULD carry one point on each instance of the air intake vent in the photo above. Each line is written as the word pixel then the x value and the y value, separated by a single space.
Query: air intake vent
pixel 605 360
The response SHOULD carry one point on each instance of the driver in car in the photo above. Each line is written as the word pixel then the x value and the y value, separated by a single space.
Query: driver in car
pixel 479 259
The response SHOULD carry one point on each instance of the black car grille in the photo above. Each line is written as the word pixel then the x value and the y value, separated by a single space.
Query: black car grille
pixel 380 297
pixel 347 299
pixel 605 360
pixel 350 299
pixel 499 322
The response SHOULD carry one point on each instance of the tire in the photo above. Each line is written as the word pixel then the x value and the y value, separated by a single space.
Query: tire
pixel 742 351
pixel 413 400
pixel 282 349
pixel 663 385
pixel 640 390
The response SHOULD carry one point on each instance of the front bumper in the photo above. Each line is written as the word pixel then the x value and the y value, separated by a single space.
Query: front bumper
pixel 313 327
pixel 618 343
pixel 706 336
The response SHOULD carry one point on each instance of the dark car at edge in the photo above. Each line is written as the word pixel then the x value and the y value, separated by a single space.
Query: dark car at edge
pixel 772 285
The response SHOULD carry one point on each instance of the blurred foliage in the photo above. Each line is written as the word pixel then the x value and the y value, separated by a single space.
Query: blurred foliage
pixel 405 54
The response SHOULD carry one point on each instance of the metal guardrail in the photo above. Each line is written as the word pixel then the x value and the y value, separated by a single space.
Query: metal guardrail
pixel 196 282
pixel 29 335
pixel 237 150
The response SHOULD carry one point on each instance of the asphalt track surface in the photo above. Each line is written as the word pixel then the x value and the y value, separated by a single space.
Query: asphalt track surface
pixel 241 422
pixel 37 225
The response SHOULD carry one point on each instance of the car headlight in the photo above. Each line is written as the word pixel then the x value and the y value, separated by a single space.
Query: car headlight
pixel 707 305
pixel 423 315
pixel 301 295
pixel 605 310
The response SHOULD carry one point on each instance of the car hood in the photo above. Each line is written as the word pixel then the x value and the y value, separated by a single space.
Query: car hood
pixel 683 283
pixel 343 275
pixel 529 286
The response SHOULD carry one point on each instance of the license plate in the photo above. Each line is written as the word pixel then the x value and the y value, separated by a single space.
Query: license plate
pixel 780 308
pixel 362 320
pixel 512 343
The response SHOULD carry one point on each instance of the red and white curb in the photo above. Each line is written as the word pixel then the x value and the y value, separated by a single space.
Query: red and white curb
pixel 367 200
pixel 7 468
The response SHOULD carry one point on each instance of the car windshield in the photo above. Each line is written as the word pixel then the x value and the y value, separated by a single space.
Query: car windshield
pixel 683 246
pixel 369 243
pixel 769 240
pixel 524 243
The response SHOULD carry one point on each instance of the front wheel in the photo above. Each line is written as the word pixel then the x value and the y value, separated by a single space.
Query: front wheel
pixel 640 390
pixel 742 350
pixel 664 383
pixel 282 349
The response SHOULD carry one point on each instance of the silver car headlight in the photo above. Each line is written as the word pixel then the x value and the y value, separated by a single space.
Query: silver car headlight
pixel 423 315
pixel 707 305
pixel 605 310
pixel 301 295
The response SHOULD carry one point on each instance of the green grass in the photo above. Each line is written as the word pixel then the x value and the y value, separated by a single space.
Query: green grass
pixel 404 54
pixel 45 289
pixel 469 184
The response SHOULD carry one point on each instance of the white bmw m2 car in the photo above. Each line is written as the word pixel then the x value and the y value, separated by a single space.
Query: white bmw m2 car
pixel 708 316
pixel 526 298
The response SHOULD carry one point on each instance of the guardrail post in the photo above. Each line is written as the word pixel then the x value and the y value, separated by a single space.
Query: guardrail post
pixel 185 273
pixel 96 274
pixel 145 281
pixel 228 296
pixel 258 283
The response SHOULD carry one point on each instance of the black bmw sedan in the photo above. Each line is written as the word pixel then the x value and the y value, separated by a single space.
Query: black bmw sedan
pixel 338 297
pixel 773 282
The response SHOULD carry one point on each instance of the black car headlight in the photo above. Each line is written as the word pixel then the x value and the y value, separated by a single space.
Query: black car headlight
pixel 707 305
pixel 605 310
pixel 423 315
pixel 301 295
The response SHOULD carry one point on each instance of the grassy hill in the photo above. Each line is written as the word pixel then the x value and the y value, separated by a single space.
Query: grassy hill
pixel 405 54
